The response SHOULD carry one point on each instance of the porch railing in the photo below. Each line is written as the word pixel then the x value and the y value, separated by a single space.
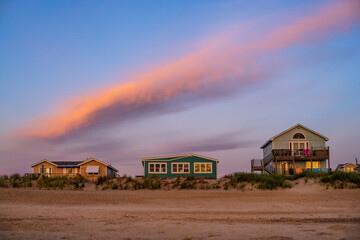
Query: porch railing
pixel 319 152
pixel 58 174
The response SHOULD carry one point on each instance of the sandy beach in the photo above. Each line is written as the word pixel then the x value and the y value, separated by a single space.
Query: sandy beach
pixel 303 212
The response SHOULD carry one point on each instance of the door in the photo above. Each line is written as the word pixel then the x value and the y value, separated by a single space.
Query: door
pixel 285 168
pixel 298 148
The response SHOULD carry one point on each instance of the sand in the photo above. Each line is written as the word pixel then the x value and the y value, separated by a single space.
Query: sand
pixel 302 212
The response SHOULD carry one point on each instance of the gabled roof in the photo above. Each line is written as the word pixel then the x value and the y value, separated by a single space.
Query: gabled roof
pixel 63 164
pixel 42 162
pixel 345 164
pixel 94 159
pixel 176 157
pixel 297 125
pixel 73 164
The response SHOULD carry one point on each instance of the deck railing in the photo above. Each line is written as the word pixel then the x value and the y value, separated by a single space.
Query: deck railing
pixel 58 174
pixel 257 162
pixel 319 152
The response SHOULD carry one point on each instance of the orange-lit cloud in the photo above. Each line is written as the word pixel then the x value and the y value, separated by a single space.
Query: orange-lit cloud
pixel 220 61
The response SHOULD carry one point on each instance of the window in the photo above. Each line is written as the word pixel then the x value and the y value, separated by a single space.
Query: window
pixel 69 171
pixel 180 167
pixel 92 170
pixel 298 136
pixel 315 165
pixel 93 173
pixel 45 170
pixel 157 167
pixel 203 167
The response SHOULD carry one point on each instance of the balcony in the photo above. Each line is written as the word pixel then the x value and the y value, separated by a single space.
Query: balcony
pixel 301 154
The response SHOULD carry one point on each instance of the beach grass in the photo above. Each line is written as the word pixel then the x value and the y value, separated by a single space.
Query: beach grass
pixel 236 181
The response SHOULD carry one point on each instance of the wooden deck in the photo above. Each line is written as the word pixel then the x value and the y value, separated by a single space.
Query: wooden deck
pixel 289 155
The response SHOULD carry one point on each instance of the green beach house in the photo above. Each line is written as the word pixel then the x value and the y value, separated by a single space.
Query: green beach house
pixel 180 166
pixel 292 151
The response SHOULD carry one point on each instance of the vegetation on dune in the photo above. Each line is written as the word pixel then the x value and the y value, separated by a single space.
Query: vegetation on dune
pixel 334 179
pixel 61 182
pixel 240 181
pixel 33 180
pixel 261 181
pixel 341 179
pixel 154 183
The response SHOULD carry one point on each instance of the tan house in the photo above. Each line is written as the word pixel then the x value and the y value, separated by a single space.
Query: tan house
pixel 347 167
pixel 90 168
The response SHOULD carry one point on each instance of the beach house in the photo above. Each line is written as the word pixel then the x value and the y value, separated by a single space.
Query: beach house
pixel 90 168
pixel 180 166
pixel 293 151
pixel 347 167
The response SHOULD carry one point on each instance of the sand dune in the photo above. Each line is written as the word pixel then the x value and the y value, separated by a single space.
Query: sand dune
pixel 302 212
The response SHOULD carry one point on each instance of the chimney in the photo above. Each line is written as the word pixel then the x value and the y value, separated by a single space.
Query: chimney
pixel 356 161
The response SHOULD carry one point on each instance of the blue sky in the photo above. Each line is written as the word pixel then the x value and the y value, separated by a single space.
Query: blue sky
pixel 54 53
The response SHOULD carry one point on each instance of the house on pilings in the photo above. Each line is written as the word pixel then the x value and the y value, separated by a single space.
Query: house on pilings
pixel 292 151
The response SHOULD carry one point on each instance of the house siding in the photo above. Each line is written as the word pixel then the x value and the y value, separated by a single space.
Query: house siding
pixel 283 141
pixel 56 171
pixel 189 159
pixel 102 170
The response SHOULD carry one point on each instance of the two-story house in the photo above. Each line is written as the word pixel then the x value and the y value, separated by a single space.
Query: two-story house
pixel 293 151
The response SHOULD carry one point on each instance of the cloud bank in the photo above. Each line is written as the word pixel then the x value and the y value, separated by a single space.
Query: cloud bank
pixel 219 67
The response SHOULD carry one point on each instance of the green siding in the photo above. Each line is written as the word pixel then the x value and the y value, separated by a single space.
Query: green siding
pixel 187 159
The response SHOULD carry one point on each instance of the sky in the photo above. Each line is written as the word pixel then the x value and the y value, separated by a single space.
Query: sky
pixel 122 80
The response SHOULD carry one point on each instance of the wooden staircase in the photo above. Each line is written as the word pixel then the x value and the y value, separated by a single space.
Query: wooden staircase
pixel 261 165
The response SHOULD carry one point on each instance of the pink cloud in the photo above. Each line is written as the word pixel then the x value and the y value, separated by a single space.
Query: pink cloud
pixel 221 63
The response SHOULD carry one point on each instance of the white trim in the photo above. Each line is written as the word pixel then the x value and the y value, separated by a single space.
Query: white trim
pixel 184 163
pixel 155 167
pixel 94 159
pixel 306 144
pixel 176 157
pixel 297 125
pixel 200 167
pixel 42 162
pixel 212 159
pixel 170 156
pixel 92 169
pixel 298 139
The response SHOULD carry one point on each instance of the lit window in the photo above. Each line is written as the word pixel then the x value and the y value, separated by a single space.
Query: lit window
pixel 315 164
pixel 197 167
pixel 203 168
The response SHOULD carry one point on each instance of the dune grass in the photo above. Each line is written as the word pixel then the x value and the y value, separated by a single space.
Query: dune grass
pixel 60 182
pixel 34 181
pixel 261 181
pixel 240 181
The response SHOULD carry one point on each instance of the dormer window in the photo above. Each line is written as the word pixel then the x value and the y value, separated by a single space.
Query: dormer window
pixel 298 136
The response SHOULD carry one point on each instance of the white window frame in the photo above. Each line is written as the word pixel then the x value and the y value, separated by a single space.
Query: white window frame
pixel 205 167
pixel 155 167
pixel 183 163
pixel 302 139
